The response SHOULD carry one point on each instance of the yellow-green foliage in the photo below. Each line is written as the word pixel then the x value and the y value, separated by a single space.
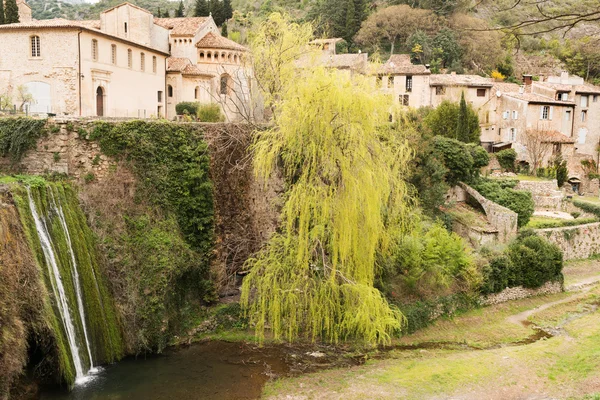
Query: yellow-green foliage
pixel 346 205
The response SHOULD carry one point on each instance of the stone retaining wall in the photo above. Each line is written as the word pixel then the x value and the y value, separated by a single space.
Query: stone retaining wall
pixel 576 242
pixel 519 292
pixel 501 218
pixel 545 193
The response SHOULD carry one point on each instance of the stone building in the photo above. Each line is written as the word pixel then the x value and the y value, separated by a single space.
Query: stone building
pixel 126 64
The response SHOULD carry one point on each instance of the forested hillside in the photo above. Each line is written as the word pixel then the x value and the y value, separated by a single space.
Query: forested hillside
pixel 485 37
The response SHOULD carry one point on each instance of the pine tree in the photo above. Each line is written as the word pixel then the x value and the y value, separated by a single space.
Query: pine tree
pixel 202 9
pixel 2 22
pixel 11 12
pixel 227 9
pixel 180 11
pixel 216 9
pixel 224 32
pixel 462 124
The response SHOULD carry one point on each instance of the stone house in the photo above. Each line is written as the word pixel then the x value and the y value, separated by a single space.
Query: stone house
pixel 406 82
pixel 126 64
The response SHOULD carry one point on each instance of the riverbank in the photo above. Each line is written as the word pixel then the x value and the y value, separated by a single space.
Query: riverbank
pixel 563 366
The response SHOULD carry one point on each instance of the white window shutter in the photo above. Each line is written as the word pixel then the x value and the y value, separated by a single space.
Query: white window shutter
pixel 516 114
pixel 541 112
pixel 551 112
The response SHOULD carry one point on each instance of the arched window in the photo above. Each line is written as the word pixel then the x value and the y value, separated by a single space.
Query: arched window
pixel 94 50
pixel 154 64
pixel 196 92
pixel 225 86
pixel 142 62
pixel 129 58
pixel 35 47
pixel 201 56
pixel 170 91
pixel 113 54
pixel 235 58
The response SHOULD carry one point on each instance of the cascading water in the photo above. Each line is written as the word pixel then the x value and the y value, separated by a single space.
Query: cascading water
pixel 61 216
pixel 58 289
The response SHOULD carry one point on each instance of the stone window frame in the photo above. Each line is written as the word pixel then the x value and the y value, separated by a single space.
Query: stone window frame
pixel 113 54
pixel 154 64
pixel 35 46
pixel 197 92
pixel 95 51
pixel 409 83
pixel 169 91
pixel 142 62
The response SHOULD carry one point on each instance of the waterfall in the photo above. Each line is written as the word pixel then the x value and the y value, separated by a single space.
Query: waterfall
pixel 61 216
pixel 59 289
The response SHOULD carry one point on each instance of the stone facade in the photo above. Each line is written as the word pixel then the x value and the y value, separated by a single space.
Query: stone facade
pixel 118 66
pixel 545 194
pixel 576 242
pixel 519 292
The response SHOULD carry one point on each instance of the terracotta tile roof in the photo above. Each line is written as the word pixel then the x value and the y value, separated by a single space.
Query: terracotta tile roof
pixel 506 87
pixel 460 80
pixel 177 64
pixel 182 26
pixel 538 98
pixel 556 137
pixel 195 71
pixel 212 41
pixel 93 24
pixel 587 88
pixel 561 87
pixel 401 64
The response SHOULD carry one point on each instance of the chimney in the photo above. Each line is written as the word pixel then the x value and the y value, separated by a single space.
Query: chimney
pixel 427 66
pixel 527 79
pixel 522 89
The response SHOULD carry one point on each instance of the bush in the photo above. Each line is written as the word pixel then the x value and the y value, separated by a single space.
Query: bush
pixel 519 201
pixel 530 261
pixel 481 158
pixel 443 121
pixel 210 113
pixel 456 158
pixel 18 135
pixel 506 159
pixel 562 173
pixel 588 207
pixel 191 108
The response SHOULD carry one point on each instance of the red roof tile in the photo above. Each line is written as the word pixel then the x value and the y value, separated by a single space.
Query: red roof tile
pixel 182 26
pixel 212 41
pixel 401 64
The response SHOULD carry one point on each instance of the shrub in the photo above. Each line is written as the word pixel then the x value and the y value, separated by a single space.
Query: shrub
pixel 506 159
pixel 456 158
pixel 18 135
pixel 519 201
pixel 210 113
pixel 530 261
pixel 562 173
pixel 443 121
pixel 481 158
pixel 588 207
pixel 191 108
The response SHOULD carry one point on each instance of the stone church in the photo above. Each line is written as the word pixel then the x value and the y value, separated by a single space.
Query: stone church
pixel 127 64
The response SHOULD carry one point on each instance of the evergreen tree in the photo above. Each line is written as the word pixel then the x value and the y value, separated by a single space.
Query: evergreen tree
pixel 159 13
pixel 224 30
pixel 201 9
pixel 2 22
pixel 227 9
pixel 216 9
pixel 462 124
pixel 350 21
pixel 11 12
pixel 180 11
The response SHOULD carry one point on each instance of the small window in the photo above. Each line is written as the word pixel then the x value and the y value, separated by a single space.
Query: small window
pixel 515 114
pixel 440 90
pixel 481 92
pixel 404 98
pixel 129 58
pixel 564 97
pixel 408 84
pixel 224 89
pixel 113 54
pixel 595 98
pixel 160 96
pixel 154 64
pixel 196 92
pixel 545 112
pixel 390 82
pixel 170 91
pixel 584 101
pixel 513 135
pixel 142 62
pixel 505 114
pixel 94 50
pixel 35 47
pixel 584 116
pixel 125 26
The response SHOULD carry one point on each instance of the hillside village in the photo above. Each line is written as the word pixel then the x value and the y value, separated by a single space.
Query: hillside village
pixel 274 207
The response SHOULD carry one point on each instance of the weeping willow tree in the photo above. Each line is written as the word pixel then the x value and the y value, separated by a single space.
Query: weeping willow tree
pixel 345 207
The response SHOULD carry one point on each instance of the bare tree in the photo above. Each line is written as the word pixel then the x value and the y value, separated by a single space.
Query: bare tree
pixel 538 143
pixel 24 96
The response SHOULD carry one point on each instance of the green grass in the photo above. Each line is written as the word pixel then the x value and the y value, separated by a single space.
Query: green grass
pixel 547 222
pixel 531 178
pixel 589 199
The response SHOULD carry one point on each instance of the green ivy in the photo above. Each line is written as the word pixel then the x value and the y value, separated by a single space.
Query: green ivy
pixel 17 135
pixel 172 164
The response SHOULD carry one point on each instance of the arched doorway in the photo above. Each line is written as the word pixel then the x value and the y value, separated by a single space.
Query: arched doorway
pixel 100 101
